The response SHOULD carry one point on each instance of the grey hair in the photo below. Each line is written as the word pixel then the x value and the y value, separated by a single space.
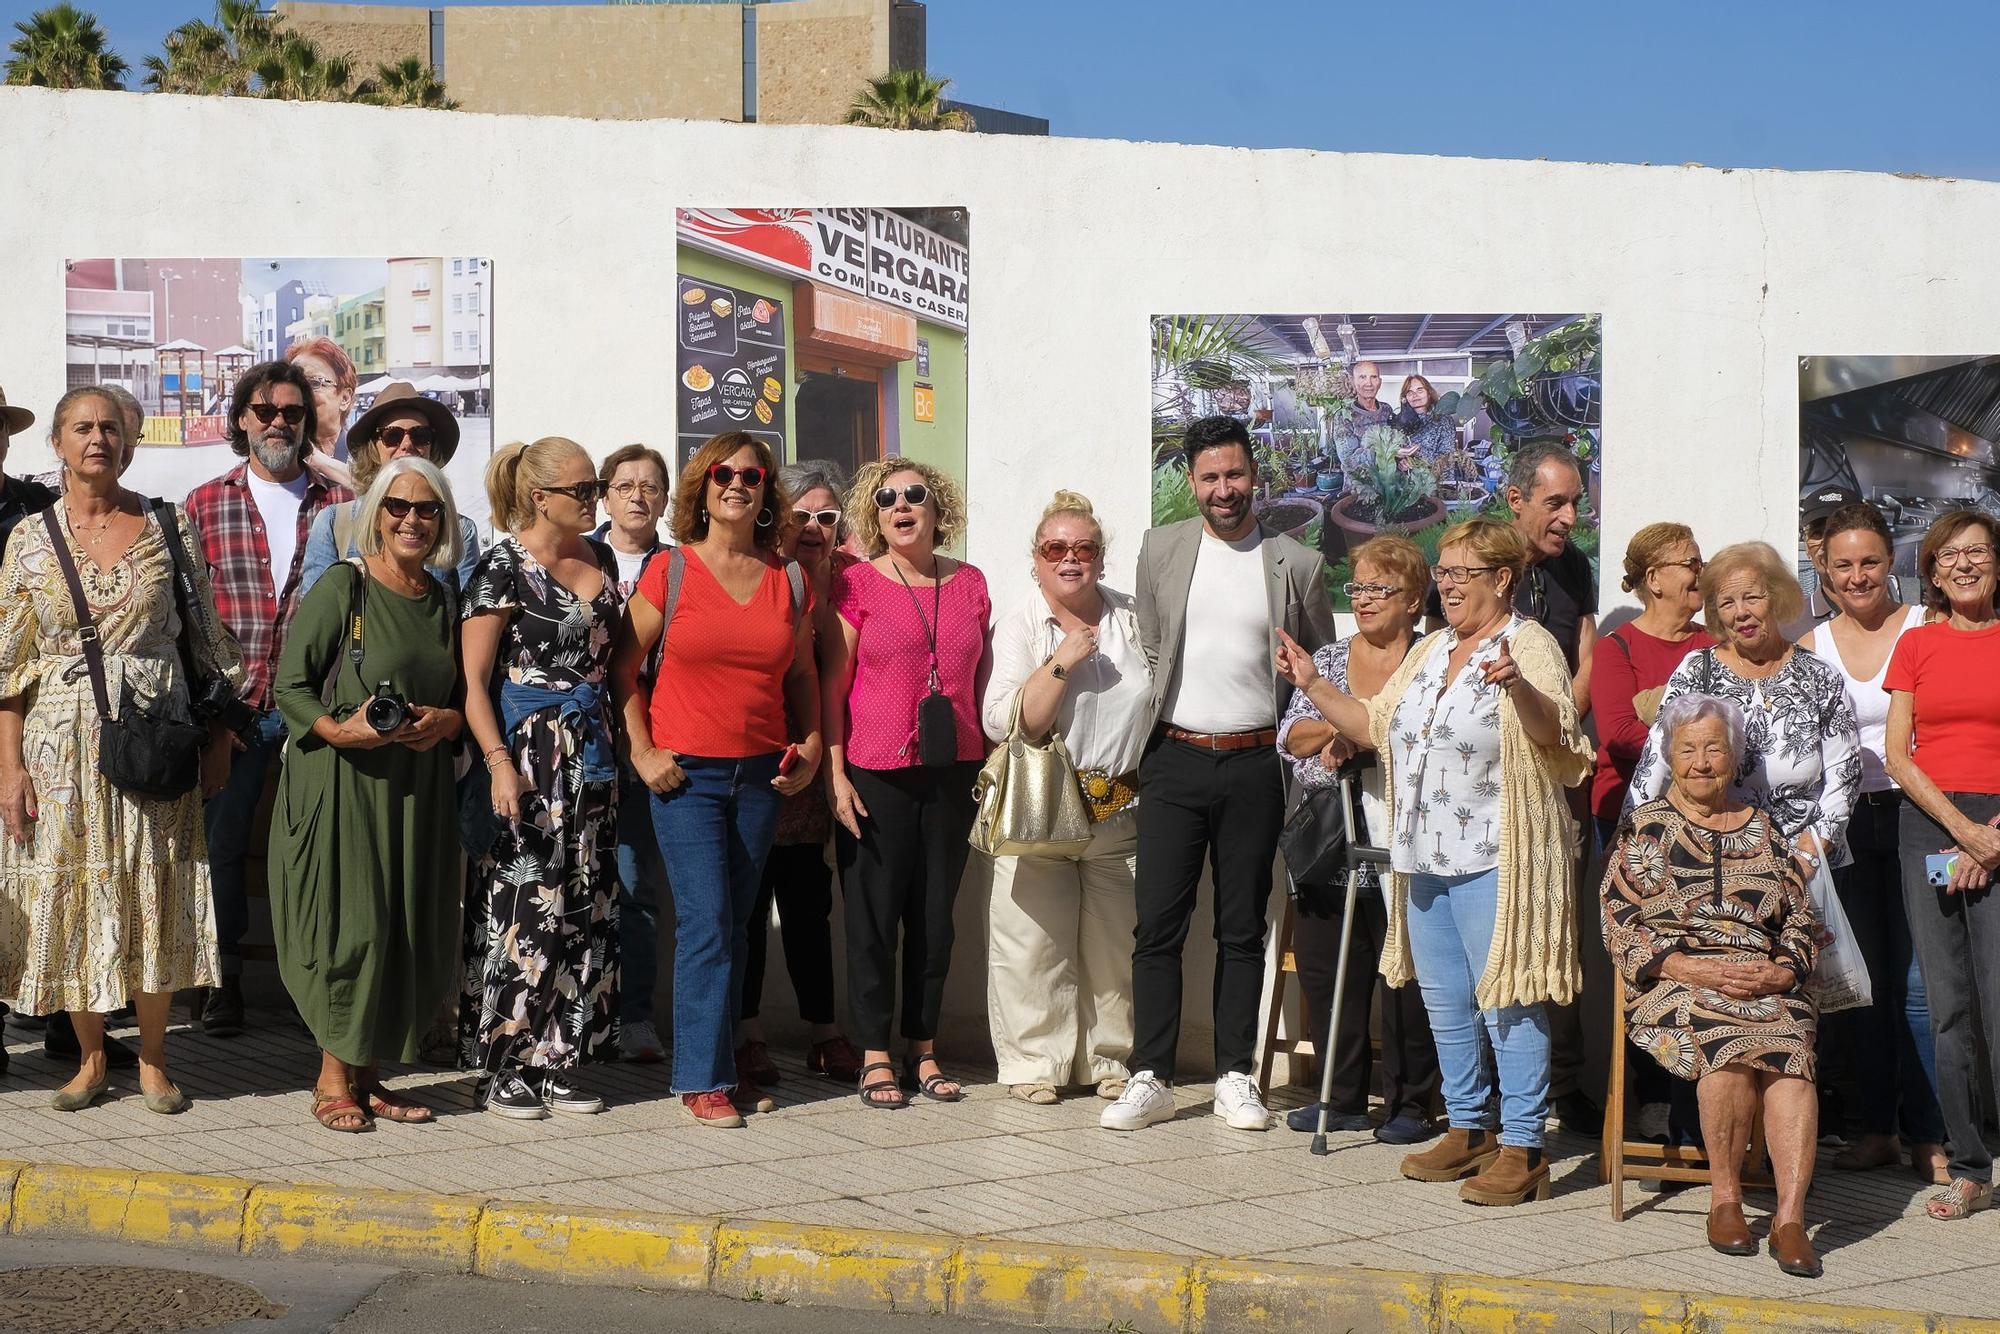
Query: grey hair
pixel 446 546
pixel 1528 461
pixel 1681 710
pixel 811 474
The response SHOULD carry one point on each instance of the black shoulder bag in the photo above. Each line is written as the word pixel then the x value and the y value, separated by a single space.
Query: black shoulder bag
pixel 937 726
pixel 147 752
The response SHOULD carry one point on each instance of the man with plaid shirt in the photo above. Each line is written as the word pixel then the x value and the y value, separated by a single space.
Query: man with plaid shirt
pixel 253 522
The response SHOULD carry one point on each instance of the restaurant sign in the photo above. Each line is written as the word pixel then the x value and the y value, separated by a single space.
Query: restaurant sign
pixel 731 358
pixel 871 251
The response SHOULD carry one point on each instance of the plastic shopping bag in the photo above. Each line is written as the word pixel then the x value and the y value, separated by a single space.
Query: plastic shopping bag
pixel 1840 979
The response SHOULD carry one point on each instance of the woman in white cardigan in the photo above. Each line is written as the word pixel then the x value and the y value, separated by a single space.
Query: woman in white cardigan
pixel 1059 931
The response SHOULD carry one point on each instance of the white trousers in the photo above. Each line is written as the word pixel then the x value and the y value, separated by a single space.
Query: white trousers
pixel 1059 961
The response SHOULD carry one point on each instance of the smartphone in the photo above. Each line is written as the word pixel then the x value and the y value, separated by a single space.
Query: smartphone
pixel 789 760
pixel 1939 868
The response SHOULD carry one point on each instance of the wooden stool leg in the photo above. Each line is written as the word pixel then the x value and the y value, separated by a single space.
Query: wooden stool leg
pixel 1274 1001
pixel 1611 1159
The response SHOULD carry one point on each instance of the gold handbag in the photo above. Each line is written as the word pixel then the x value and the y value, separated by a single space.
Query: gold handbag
pixel 1029 801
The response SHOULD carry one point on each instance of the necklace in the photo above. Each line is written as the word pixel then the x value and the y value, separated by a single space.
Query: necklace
pixel 93 534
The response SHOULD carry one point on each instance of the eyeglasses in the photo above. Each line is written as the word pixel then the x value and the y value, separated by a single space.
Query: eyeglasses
pixel 1976 554
pixel 293 413
pixel 584 493
pixel 824 518
pixel 916 493
pixel 321 383
pixel 1373 592
pixel 420 437
pixel 1692 565
pixel 647 490
pixel 1055 549
pixel 724 474
pixel 430 511
pixel 1459 574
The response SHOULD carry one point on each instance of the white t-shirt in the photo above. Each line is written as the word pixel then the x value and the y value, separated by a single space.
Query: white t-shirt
pixel 630 564
pixel 278 506
pixel 1225 680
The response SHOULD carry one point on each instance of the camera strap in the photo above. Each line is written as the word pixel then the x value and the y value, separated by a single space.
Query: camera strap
pixel 357 602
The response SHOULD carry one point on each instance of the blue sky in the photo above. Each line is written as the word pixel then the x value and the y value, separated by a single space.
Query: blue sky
pixel 1784 83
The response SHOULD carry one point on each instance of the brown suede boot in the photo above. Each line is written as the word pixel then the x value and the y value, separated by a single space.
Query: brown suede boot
pixel 1510 1178
pixel 1459 1154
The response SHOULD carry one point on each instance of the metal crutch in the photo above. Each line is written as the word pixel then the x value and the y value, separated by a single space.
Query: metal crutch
pixel 1359 855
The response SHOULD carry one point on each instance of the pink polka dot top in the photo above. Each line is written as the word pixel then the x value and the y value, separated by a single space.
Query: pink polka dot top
pixel 892 660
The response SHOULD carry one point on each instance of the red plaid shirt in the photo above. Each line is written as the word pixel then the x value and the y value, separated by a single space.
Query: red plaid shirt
pixel 239 568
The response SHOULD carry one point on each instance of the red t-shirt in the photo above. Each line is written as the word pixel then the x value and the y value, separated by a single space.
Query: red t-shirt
pixel 1950 673
pixel 721 691
pixel 1616 678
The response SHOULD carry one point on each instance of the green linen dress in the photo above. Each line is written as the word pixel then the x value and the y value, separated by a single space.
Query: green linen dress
pixel 365 862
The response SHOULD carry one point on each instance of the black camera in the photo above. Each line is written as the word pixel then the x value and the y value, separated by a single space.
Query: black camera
pixel 388 710
pixel 218 702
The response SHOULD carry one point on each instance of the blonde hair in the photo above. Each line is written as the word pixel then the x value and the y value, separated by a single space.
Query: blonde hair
pixel 1644 551
pixel 1495 543
pixel 445 547
pixel 946 502
pixel 1788 600
pixel 1072 503
pixel 518 470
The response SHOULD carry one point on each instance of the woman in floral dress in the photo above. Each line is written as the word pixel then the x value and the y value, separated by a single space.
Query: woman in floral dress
pixel 541 917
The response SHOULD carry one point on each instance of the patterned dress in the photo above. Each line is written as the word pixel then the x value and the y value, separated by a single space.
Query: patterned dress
pixel 110 897
pixel 1671 885
pixel 1445 741
pixel 541 913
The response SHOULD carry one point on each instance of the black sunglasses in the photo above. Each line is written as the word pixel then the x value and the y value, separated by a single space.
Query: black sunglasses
pixel 722 474
pixel 916 493
pixel 420 437
pixel 293 413
pixel 584 493
pixel 824 518
pixel 430 511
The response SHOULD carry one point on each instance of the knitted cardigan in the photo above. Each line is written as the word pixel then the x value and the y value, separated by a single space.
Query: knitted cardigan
pixel 1534 954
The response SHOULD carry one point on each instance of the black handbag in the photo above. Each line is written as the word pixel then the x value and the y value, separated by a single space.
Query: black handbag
pixel 937 725
pixel 1314 837
pixel 148 752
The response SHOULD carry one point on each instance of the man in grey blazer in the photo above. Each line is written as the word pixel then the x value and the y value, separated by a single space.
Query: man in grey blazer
pixel 1211 591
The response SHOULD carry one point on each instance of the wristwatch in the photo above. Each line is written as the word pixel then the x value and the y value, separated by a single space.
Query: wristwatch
pixel 1061 672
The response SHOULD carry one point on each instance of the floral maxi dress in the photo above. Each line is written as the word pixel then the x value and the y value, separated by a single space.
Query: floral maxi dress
pixel 541 912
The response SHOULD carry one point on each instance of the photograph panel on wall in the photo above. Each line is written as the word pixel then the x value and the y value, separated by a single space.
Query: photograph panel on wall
pixel 1370 423
pixel 178 333
pixel 835 334
pixel 1914 436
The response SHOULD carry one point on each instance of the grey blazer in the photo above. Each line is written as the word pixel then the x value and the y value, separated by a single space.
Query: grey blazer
pixel 1294 593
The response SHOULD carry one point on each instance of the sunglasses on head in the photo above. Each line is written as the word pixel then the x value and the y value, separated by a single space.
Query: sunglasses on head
pixel 584 493
pixel 723 474
pixel 916 493
pixel 430 511
pixel 1055 549
pixel 824 518
pixel 293 413
pixel 420 437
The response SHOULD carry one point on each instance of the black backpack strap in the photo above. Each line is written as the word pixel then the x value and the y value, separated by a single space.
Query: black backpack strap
pixel 676 572
pixel 86 627
pixel 357 602
pixel 184 589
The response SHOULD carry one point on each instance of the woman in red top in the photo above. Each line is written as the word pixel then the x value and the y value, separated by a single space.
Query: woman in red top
pixel 710 738
pixel 1942 746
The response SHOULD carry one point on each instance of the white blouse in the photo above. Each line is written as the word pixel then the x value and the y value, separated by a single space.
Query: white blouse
pixel 1445 736
pixel 1106 712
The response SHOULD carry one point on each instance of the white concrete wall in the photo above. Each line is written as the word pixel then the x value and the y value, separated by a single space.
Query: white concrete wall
pixel 1711 282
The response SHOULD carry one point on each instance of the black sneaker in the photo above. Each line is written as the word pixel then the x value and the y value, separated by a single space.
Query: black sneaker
pixel 1407 1128
pixel 1306 1119
pixel 222 1013
pixel 1579 1115
pixel 559 1095
pixel 510 1096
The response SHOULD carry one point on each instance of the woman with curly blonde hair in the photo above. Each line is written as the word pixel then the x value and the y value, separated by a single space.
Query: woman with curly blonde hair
pixel 902 683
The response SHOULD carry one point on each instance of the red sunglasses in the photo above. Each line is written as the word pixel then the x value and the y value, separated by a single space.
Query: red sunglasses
pixel 722 474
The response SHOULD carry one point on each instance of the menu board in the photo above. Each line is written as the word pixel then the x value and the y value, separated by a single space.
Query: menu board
pixel 731 357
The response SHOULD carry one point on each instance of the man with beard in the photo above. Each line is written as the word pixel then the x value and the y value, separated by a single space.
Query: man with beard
pixel 1212 591
pixel 253 522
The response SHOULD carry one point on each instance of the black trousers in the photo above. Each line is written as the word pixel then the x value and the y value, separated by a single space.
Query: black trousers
pixel 1410 1077
pixel 1222 808
pixel 798 880
pixel 900 879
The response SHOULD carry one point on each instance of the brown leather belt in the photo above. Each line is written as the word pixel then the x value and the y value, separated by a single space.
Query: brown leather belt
pixel 1222 740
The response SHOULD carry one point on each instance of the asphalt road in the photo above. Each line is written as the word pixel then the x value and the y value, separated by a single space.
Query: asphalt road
pixel 362 1299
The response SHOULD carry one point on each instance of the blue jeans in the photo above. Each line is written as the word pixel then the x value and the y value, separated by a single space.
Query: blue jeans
pixel 227 817
pixel 714 831
pixel 1451 933
pixel 642 887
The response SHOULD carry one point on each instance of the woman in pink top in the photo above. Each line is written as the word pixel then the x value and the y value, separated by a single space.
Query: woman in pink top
pixel 902 686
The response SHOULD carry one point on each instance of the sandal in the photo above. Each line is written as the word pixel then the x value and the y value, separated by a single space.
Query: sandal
pixel 1931 1163
pixel 1961 1199
pixel 394 1107
pixel 868 1091
pixel 331 1107
pixel 928 1087
pixel 1042 1095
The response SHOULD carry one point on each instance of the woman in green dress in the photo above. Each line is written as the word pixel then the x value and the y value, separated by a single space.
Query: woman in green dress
pixel 364 868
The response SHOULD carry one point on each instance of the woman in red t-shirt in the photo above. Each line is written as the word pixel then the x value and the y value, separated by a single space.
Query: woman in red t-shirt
pixel 1942 746
pixel 736 679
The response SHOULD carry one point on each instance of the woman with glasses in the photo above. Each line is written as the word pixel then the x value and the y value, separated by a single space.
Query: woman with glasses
pixel 1387 593
pixel 904 676
pixel 364 873
pixel 330 372
pixel 1942 745
pixel 540 997
pixel 726 729
pixel 1478 737
pixel 1059 930
pixel 400 424
pixel 798 878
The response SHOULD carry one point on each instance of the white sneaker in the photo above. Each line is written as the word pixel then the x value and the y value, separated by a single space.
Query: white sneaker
pixel 1238 1102
pixel 641 1042
pixel 1145 1101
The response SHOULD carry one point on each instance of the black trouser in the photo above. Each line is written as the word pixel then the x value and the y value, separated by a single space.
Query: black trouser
pixel 1223 808
pixel 901 876
pixel 797 878
pixel 1409 1057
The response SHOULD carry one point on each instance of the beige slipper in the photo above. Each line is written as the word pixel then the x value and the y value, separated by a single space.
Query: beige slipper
pixel 1039 1094
pixel 1111 1090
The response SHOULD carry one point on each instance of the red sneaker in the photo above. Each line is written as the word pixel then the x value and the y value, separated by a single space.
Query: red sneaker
pixel 747 1097
pixel 712 1109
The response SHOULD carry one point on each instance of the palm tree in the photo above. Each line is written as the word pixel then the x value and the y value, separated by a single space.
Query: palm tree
pixel 296 70
pixel 906 99
pixel 216 59
pixel 407 83
pixel 63 47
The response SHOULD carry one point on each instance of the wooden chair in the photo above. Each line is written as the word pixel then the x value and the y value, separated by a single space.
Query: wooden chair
pixel 1297 1047
pixel 1656 1162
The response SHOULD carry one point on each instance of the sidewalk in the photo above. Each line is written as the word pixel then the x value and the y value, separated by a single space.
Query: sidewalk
pixel 995 1168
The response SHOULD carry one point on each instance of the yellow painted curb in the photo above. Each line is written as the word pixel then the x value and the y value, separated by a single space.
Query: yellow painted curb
pixel 831 1266
pixel 1071 1288
pixel 429 1232
pixel 619 1247
pixel 1229 1294
pixel 1504 1306
pixel 10 1173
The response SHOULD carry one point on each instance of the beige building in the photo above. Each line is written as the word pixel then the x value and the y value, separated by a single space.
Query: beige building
pixel 781 62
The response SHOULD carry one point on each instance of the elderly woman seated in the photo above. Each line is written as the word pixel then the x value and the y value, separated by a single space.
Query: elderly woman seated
pixel 1707 915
